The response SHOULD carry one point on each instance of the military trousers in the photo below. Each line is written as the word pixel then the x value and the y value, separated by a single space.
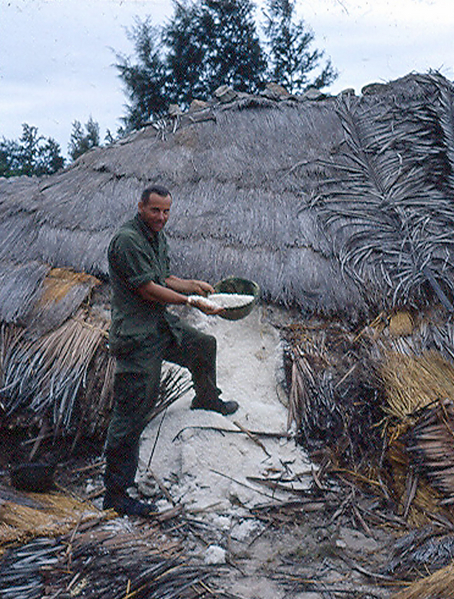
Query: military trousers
pixel 136 393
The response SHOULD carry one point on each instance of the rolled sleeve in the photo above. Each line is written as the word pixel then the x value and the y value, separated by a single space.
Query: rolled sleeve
pixel 131 262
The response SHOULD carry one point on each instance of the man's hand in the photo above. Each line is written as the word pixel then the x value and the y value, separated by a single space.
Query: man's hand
pixel 200 287
pixel 204 305
pixel 189 286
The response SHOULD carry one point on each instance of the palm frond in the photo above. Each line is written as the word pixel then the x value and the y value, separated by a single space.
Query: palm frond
pixel 387 221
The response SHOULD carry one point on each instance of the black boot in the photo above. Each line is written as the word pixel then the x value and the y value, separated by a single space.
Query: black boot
pixel 121 466
pixel 125 505
pixel 215 405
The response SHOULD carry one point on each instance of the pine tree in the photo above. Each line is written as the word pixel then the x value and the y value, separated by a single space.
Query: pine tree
pixel 145 80
pixel 32 154
pixel 291 61
pixel 81 141
pixel 207 43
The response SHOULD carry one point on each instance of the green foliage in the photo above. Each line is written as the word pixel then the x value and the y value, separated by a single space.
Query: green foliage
pixel 32 154
pixel 291 61
pixel 212 43
pixel 81 141
pixel 145 81
pixel 207 43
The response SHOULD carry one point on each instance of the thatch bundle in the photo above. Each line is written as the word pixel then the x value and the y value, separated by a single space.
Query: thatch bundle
pixel 42 514
pixel 439 585
pixel 413 382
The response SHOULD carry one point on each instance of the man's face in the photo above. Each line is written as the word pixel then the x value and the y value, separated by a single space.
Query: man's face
pixel 155 212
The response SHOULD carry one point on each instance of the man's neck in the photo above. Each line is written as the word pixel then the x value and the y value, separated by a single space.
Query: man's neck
pixel 146 229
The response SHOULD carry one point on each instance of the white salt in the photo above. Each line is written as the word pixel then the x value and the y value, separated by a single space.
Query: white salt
pixel 206 469
pixel 231 300
pixel 223 300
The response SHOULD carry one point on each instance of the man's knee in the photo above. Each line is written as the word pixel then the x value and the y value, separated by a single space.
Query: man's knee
pixel 209 343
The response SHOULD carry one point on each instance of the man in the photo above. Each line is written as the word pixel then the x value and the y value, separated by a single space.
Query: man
pixel 143 334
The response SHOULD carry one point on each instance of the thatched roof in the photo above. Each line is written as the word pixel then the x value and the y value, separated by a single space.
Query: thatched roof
pixel 335 204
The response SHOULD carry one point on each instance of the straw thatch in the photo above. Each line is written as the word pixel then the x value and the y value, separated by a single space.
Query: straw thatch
pixel 438 585
pixel 295 194
pixel 23 518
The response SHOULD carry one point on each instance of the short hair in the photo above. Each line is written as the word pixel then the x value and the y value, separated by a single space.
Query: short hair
pixel 157 189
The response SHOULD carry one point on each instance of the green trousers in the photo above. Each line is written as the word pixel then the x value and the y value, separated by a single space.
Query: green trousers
pixel 136 393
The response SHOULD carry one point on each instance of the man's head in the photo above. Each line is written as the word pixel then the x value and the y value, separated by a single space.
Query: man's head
pixel 154 207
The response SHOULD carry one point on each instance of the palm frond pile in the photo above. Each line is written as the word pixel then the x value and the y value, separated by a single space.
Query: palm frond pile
pixel 379 404
pixel 44 377
pixel 59 546
pixel 335 399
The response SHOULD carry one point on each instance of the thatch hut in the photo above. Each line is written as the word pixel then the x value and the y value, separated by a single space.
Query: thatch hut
pixel 338 206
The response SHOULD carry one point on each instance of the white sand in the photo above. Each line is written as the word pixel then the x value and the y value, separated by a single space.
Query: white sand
pixel 206 469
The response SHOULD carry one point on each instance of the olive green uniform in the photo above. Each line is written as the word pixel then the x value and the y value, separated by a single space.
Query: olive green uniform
pixel 142 335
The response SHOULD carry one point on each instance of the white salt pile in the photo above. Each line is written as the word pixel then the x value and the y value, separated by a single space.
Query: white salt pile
pixel 224 300
pixel 231 300
pixel 203 458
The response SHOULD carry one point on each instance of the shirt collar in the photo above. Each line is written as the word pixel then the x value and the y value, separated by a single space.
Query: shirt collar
pixel 150 235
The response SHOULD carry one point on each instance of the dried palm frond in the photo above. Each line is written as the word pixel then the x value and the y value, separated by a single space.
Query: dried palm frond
pixel 175 382
pixel 440 93
pixel 415 499
pixel 47 374
pixel 388 222
pixel 431 447
pixel 334 397
pixel 98 558
pixel 422 549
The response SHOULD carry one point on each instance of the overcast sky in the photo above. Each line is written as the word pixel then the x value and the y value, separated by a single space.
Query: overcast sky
pixel 56 56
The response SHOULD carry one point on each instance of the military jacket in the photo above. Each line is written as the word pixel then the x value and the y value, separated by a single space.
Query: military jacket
pixel 136 256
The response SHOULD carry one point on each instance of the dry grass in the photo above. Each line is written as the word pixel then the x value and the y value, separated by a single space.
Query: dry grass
pixel 414 382
pixel 439 585
pixel 54 514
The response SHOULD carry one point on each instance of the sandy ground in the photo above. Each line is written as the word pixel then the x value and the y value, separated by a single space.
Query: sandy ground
pixel 210 472
pixel 209 469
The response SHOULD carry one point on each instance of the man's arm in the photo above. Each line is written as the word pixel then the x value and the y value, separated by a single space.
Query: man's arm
pixel 173 294
pixel 152 292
